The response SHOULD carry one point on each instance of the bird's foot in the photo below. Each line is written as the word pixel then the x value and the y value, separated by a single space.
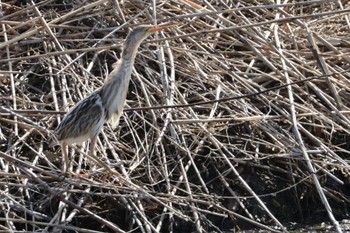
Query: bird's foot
pixel 74 174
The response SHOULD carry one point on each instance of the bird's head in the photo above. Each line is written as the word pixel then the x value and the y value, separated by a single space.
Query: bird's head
pixel 138 34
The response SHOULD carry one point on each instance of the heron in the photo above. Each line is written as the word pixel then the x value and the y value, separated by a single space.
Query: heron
pixel 85 120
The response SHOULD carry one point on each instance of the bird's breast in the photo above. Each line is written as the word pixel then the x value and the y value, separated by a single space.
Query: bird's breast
pixel 114 91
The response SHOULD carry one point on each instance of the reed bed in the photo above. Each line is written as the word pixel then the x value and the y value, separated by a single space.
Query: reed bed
pixel 237 119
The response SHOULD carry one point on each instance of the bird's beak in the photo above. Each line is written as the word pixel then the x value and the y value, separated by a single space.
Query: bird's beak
pixel 161 27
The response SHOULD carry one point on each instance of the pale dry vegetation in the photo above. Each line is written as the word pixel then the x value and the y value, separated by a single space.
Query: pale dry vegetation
pixel 236 119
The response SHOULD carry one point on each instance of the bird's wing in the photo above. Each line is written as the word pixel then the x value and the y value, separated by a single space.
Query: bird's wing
pixel 82 119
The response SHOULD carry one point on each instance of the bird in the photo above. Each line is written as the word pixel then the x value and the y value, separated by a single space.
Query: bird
pixel 86 119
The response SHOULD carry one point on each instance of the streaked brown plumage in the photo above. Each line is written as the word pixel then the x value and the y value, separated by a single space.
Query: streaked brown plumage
pixel 85 120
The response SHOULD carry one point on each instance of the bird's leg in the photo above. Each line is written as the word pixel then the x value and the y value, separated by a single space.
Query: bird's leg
pixel 93 145
pixel 92 154
pixel 65 158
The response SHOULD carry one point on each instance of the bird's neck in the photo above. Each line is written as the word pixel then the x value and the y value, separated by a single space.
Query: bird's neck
pixel 129 59
pixel 129 52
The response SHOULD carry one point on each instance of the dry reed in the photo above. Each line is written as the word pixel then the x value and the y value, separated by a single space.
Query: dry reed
pixel 236 119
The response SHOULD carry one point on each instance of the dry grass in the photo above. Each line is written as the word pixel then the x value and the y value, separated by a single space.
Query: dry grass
pixel 236 119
